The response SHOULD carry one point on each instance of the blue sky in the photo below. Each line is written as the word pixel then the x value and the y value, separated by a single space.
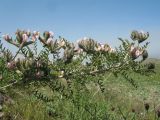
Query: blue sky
pixel 103 20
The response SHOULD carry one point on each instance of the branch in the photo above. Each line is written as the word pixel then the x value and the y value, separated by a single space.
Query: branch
pixel 9 85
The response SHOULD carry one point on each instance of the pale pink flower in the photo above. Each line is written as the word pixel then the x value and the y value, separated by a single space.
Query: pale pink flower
pixel 138 53
pixel 103 48
pixel 98 47
pixel 36 34
pixel 131 48
pixel 24 37
pixel 28 33
pixel 112 50
pixel 34 38
pixel 61 43
pixel 9 65
pixel 85 38
pixel 79 51
pixel 51 34
pixel 106 48
pixel 49 40
pixel 6 37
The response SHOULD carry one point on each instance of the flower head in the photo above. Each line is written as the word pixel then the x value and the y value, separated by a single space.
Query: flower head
pixel 140 36
pixel 87 44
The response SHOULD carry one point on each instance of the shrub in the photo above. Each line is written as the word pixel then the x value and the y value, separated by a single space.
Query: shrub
pixel 68 69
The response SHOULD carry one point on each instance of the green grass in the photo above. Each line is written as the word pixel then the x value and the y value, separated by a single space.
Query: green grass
pixel 120 100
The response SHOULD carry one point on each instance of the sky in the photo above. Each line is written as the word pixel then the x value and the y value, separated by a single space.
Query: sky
pixel 102 20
